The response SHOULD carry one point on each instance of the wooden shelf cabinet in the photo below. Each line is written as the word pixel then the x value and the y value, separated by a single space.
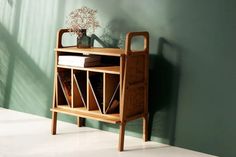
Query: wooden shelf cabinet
pixel 113 92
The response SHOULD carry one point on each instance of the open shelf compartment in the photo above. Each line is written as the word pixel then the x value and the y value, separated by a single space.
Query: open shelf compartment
pixel 111 94
pixel 95 91
pixel 64 87
pixel 79 88
pixel 108 64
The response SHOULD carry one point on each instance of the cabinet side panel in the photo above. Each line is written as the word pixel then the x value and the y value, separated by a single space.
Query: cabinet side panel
pixel 122 68
pixel 135 86
pixel 135 101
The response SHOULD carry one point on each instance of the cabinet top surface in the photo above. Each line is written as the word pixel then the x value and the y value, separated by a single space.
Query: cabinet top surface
pixel 95 51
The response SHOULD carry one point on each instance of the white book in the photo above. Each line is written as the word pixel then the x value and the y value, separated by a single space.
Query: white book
pixel 80 61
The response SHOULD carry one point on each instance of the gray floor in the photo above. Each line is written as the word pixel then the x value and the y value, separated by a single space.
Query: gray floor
pixel 25 135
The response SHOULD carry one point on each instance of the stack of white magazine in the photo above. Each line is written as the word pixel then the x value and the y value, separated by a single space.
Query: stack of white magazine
pixel 79 61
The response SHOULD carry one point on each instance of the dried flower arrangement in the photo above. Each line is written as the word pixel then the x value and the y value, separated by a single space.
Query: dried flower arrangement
pixel 82 18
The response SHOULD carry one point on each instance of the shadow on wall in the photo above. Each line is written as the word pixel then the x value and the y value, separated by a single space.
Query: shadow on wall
pixel 163 88
pixel 113 36
pixel 163 91
pixel 114 33
pixel 7 47
pixel 21 73
pixel 24 86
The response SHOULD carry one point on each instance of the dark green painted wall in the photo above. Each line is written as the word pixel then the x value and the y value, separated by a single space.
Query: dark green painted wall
pixel 192 61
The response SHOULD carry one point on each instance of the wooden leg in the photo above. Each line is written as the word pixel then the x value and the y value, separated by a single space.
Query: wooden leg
pixel 145 128
pixel 80 121
pixel 54 123
pixel 122 136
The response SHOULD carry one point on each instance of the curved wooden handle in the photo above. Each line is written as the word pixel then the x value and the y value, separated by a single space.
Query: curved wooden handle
pixel 59 37
pixel 129 37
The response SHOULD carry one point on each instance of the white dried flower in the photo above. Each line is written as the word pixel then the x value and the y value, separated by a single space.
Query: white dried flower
pixel 82 18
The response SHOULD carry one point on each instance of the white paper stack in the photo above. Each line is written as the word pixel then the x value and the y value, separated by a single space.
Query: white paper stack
pixel 79 61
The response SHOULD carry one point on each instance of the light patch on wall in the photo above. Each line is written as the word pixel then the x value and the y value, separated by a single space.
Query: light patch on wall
pixel 4 61
pixel 36 32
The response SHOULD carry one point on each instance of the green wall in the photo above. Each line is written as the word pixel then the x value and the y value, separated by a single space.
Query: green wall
pixel 192 60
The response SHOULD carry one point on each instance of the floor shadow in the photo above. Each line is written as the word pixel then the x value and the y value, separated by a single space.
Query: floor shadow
pixel 163 92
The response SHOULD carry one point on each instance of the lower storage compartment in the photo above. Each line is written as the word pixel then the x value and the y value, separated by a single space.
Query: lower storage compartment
pixel 95 86
pixel 64 87
pixel 104 92
pixel 93 91
pixel 112 93
pixel 79 88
